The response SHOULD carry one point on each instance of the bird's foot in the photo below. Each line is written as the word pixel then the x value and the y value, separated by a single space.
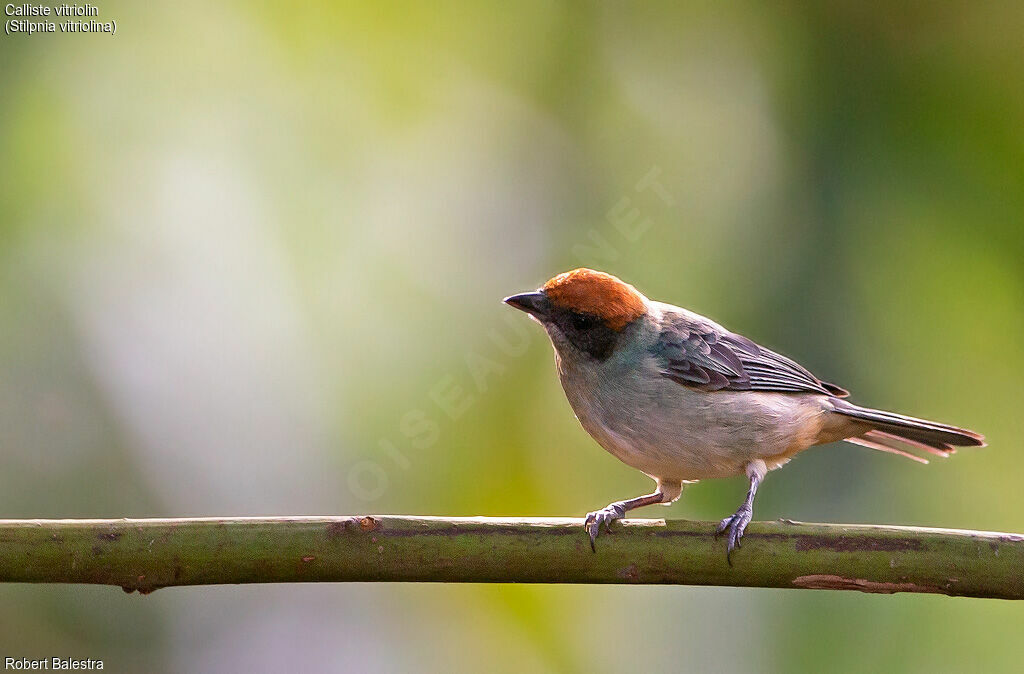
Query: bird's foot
pixel 734 526
pixel 603 517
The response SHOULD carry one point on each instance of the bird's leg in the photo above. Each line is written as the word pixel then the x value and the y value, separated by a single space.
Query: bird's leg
pixel 667 492
pixel 734 525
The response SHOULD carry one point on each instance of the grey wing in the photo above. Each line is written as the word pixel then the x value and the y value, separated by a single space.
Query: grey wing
pixel 707 357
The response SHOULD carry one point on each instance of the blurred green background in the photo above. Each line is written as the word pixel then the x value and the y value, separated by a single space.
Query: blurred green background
pixel 251 263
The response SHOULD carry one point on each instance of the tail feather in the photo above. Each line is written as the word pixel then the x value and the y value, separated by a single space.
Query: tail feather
pixel 866 441
pixel 936 448
pixel 888 428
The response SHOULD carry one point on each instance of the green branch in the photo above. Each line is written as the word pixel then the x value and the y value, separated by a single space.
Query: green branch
pixel 147 554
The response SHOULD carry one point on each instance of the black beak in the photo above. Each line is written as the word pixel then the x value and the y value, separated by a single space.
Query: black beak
pixel 536 303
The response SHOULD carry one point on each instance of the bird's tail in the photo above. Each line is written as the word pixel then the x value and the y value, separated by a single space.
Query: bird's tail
pixel 891 432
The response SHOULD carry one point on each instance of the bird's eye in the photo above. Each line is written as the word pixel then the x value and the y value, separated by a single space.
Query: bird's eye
pixel 583 322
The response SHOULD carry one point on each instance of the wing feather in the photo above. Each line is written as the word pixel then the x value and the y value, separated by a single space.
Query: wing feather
pixel 703 355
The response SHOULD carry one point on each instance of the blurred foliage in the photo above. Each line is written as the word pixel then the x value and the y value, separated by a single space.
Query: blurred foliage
pixel 252 257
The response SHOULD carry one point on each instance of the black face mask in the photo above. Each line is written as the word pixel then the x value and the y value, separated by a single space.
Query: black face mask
pixel 588 333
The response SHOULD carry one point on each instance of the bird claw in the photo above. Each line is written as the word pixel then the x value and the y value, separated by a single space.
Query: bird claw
pixel 603 517
pixel 734 526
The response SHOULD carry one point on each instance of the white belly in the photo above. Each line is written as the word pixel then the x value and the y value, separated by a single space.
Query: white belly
pixel 673 432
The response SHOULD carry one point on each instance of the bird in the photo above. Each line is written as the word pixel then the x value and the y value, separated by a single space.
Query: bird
pixel 681 398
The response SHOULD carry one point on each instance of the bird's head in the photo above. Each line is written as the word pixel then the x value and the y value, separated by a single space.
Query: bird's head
pixel 583 310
